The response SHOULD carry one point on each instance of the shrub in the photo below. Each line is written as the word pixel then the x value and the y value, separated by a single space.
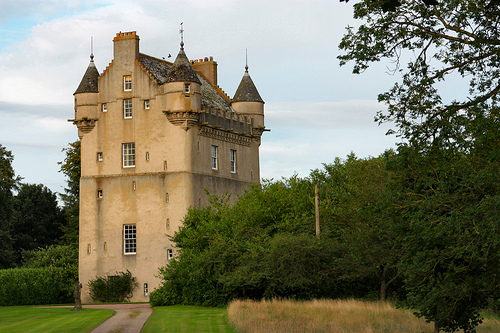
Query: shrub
pixel 33 286
pixel 116 288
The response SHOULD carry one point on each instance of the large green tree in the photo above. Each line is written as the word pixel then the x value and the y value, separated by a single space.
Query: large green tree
pixel 8 182
pixel 446 186
pixel 354 200
pixel 37 220
pixel 71 168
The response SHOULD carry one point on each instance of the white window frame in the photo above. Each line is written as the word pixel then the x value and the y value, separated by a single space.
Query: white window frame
pixel 147 105
pixel 104 107
pixel 170 254
pixel 187 88
pixel 128 154
pixel 215 157
pixel 127 83
pixel 232 158
pixel 127 108
pixel 129 239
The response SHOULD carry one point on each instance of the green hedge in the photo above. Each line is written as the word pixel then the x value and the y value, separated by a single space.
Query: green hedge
pixel 33 286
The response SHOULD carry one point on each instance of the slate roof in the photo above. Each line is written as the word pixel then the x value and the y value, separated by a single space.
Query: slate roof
pixel 156 67
pixel 181 70
pixel 89 81
pixel 247 92
pixel 161 71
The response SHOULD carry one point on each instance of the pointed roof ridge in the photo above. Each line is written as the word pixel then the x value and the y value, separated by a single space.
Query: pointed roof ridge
pixel 89 83
pixel 247 92
pixel 181 70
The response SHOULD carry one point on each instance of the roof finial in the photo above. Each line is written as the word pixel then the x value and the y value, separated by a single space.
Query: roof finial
pixel 182 35
pixel 246 60
pixel 91 49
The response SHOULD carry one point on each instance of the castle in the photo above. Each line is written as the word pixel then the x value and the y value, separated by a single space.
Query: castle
pixel 155 136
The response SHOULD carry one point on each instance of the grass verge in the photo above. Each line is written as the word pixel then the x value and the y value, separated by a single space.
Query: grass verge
pixel 192 319
pixel 27 319
pixel 339 316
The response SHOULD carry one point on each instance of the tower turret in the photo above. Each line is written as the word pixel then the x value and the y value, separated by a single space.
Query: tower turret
pixel 247 101
pixel 86 106
pixel 182 88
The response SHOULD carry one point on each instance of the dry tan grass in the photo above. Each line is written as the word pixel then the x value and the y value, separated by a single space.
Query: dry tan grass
pixel 338 316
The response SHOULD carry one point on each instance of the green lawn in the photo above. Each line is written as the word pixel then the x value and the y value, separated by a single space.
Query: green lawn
pixel 27 319
pixel 193 319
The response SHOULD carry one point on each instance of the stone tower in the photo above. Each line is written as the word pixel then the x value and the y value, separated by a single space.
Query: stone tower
pixel 155 135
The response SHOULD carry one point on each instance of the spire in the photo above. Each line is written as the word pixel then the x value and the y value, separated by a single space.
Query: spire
pixel 247 92
pixel 182 35
pixel 181 70
pixel 246 60
pixel 89 81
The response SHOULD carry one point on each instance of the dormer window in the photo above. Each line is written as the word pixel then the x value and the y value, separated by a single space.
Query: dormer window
pixel 187 88
pixel 127 83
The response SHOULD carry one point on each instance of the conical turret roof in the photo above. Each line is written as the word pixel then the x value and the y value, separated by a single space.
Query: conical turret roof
pixel 89 83
pixel 181 70
pixel 247 92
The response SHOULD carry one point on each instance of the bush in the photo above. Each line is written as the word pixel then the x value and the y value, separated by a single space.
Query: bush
pixel 34 286
pixel 116 288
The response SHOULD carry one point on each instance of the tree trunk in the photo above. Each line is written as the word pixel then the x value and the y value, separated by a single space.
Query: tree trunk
pixel 383 291
pixel 436 327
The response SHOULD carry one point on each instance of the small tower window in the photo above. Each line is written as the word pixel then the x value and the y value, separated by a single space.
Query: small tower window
pixel 170 254
pixel 99 194
pixel 233 160
pixel 99 157
pixel 147 156
pixel 187 88
pixel 215 161
pixel 104 107
pixel 127 83
pixel 146 105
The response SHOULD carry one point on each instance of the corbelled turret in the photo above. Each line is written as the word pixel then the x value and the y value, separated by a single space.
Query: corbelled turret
pixel 86 107
pixel 183 92
pixel 247 101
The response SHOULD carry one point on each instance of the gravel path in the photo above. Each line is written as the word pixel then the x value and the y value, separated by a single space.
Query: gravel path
pixel 129 318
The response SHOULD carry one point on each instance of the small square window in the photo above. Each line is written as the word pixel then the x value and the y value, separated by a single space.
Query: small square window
pixel 170 254
pixel 127 108
pixel 147 105
pixel 104 107
pixel 99 157
pixel 215 161
pixel 127 83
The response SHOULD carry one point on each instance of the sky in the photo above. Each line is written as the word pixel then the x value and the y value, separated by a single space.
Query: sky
pixel 315 109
